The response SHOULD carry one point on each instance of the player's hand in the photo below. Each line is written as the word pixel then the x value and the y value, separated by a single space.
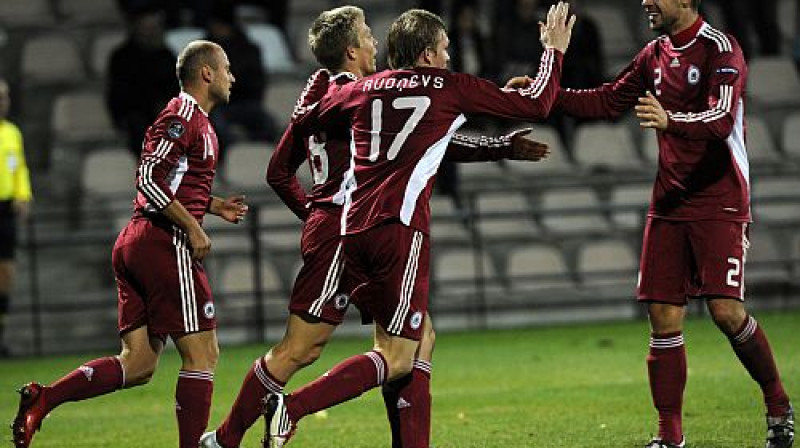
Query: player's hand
pixel 651 114
pixel 557 32
pixel 233 209
pixel 199 243
pixel 519 82
pixel 523 148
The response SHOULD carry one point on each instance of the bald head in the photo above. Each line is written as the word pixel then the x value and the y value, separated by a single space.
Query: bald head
pixel 193 57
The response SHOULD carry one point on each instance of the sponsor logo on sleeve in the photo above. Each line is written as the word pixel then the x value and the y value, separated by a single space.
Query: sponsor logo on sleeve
pixel 727 71
pixel 175 130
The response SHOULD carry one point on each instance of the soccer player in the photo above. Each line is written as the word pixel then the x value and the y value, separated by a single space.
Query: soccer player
pixel 401 122
pixel 687 86
pixel 343 43
pixel 15 197
pixel 163 288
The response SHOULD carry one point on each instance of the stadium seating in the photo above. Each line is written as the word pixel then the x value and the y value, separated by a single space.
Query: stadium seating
pixel 21 13
pixel 90 12
pixel 629 204
pixel 773 81
pixel 761 150
pixel 52 58
pixel 447 226
pixel 246 163
pixel 81 117
pixel 281 97
pixel 790 140
pixel 765 271
pixel 109 172
pixel 607 267
pixel 557 163
pixel 572 212
pixel 237 277
pixel 178 38
pixel 538 266
pixel 772 200
pixel 281 227
pixel 456 273
pixel 103 45
pixel 275 53
pixel 504 215
pixel 602 146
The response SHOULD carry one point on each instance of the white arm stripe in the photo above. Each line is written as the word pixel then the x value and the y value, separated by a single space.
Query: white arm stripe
pixel 722 108
pixel 146 184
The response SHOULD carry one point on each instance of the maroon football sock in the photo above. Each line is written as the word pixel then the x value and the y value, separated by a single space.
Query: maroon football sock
pixel 347 380
pixel 248 405
pixel 753 350
pixel 192 405
pixel 97 377
pixel 414 407
pixel 666 366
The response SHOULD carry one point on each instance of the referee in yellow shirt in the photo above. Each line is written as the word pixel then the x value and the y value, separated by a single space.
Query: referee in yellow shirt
pixel 15 196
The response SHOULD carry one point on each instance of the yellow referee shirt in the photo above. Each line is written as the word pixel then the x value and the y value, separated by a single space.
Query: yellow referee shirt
pixel 15 185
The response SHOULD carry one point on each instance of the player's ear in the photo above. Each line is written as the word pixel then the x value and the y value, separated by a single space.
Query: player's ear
pixel 351 53
pixel 206 73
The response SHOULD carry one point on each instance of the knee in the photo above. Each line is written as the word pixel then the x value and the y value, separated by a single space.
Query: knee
pixel 202 360
pixel 398 366
pixel 299 355
pixel 138 370
pixel 728 318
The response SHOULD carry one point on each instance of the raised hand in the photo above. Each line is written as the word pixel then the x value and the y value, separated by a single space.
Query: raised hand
pixel 523 148
pixel 557 32
pixel 519 82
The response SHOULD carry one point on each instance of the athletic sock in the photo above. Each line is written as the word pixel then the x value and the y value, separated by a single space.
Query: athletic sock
pixel 752 348
pixel 408 407
pixel 666 366
pixel 97 377
pixel 345 381
pixel 247 408
pixel 192 405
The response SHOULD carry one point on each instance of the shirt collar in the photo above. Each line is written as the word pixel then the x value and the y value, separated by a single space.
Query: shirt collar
pixel 191 99
pixel 685 37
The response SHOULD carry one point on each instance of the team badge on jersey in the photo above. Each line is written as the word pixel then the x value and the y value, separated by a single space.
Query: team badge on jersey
pixel 675 63
pixel 175 130
pixel 693 75
pixel 340 301
pixel 208 310
pixel 416 320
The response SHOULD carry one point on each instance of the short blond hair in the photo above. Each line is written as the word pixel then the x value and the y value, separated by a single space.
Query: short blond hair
pixel 332 32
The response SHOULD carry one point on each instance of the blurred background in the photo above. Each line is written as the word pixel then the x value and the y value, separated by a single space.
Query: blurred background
pixel 515 244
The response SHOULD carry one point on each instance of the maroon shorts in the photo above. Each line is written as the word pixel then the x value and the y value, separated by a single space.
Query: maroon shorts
pixel 682 259
pixel 394 261
pixel 323 285
pixel 158 283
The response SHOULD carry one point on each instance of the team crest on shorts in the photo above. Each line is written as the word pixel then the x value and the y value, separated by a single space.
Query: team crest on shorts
pixel 208 310
pixel 693 75
pixel 416 320
pixel 340 301
pixel 175 130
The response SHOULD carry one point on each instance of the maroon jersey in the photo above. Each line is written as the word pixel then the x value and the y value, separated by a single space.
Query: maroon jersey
pixel 400 124
pixel 179 159
pixel 329 158
pixel 699 76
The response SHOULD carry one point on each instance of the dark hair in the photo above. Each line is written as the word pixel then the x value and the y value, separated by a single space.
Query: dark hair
pixel 193 57
pixel 332 33
pixel 410 34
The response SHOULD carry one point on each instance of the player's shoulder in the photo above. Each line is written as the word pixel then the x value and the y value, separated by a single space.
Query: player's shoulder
pixel 181 116
pixel 717 41
pixel 10 129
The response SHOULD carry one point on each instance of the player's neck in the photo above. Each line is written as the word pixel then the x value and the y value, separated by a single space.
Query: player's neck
pixel 202 97
pixel 685 23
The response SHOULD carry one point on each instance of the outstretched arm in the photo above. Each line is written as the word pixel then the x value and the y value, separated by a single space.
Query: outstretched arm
pixel 513 146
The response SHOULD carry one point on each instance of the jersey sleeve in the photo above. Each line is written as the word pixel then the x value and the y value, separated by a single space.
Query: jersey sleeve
pixel 530 103
pixel 170 138
pixel 611 99
pixel 464 148
pixel 726 85
pixel 291 152
pixel 282 172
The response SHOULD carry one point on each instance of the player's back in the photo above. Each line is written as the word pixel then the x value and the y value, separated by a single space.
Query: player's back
pixel 402 122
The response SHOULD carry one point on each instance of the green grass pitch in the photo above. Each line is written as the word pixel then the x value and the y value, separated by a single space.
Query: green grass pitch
pixel 566 386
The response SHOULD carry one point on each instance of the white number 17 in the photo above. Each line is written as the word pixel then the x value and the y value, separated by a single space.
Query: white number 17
pixel 420 105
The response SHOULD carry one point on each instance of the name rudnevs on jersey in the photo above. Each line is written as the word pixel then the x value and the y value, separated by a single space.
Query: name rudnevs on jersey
pixel 412 82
